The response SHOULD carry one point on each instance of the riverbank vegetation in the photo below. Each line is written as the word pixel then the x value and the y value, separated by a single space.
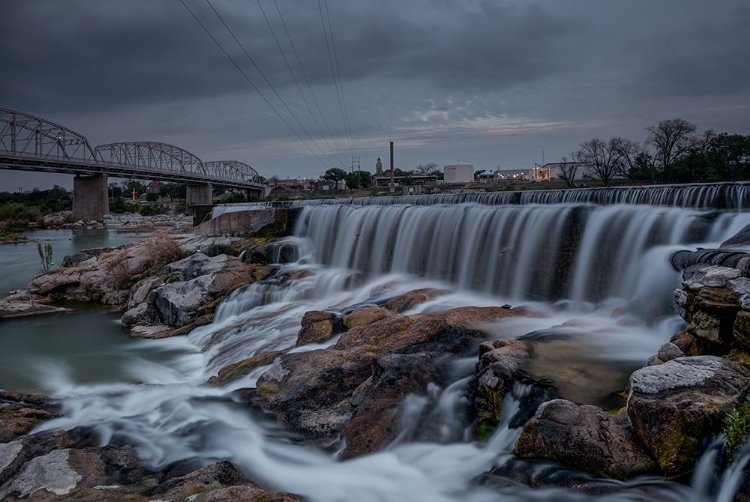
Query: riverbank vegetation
pixel 673 151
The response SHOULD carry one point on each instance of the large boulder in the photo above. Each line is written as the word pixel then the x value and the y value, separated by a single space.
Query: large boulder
pixel 584 438
pixel 356 387
pixel 311 391
pixel 675 407
pixel 191 285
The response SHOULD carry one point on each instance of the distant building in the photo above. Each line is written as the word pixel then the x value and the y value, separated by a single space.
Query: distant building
pixel 513 174
pixel 154 187
pixel 458 173
pixel 553 170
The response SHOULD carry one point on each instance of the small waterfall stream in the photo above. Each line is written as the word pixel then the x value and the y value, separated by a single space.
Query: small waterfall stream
pixel 577 264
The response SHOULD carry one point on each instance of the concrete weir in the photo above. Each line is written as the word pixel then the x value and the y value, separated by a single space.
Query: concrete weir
pixel 90 197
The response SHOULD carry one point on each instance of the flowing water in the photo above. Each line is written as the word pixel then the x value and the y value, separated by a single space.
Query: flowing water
pixel 600 272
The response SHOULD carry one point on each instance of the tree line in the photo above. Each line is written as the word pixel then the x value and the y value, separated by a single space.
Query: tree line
pixel 364 179
pixel 673 152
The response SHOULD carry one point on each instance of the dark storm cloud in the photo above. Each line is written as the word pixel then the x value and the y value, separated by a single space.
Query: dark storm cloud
pixel 707 57
pixel 489 81
pixel 79 54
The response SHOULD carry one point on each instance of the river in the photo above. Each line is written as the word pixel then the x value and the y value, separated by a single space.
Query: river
pixel 601 269
pixel 87 345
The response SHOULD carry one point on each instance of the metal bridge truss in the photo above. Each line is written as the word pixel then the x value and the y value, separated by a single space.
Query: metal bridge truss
pixel 233 169
pixel 25 136
pixel 151 156
pixel 32 143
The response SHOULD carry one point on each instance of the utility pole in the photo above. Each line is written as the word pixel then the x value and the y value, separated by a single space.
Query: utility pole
pixel 393 188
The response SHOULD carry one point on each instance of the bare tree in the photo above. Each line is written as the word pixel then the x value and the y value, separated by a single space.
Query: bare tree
pixel 603 157
pixel 632 157
pixel 568 169
pixel 427 169
pixel 671 139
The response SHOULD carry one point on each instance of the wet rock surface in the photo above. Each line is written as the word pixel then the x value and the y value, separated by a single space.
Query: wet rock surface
pixel 356 387
pixel 69 465
pixel 584 438
pixel 676 407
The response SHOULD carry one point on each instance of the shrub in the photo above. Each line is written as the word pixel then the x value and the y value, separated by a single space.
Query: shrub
pixel 162 250
pixel 737 428
pixel 152 197
pixel 45 255
pixel 151 210
pixel 119 270
pixel 118 205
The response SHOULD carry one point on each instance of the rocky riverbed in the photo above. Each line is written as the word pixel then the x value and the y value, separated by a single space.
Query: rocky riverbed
pixel 344 386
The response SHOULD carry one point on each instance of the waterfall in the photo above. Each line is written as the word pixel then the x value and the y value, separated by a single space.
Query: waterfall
pixel 533 252
pixel 731 196
pixel 571 261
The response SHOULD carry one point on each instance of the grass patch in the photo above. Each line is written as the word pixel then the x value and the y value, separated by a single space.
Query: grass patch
pixel 162 250
pixel 737 428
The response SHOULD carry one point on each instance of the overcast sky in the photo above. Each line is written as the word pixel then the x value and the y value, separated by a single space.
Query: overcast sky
pixel 488 82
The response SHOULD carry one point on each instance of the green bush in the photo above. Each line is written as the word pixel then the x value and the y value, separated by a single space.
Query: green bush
pixel 151 210
pixel 152 197
pixel 737 428
pixel 118 205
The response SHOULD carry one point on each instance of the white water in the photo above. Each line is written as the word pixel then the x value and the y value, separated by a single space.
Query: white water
pixel 615 257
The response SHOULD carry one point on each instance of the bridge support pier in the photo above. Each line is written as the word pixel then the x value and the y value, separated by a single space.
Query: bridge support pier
pixel 90 197
pixel 199 194
pixel 200 199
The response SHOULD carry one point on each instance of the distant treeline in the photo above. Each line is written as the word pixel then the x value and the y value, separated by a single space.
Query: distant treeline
pixel 673 152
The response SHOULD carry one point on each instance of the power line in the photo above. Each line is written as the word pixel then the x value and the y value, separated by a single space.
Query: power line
pixel 338 73
pixel 333 74
pixel 268 82
pixel 307 80
pixel 251 82
pixel 288 66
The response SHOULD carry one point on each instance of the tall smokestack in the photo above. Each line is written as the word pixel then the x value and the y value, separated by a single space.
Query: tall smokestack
pixel 392 169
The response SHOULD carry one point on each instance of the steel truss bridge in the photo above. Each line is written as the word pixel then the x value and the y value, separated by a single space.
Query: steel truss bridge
pixel 29 143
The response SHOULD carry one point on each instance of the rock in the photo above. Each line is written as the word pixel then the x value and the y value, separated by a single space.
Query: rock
pixel 20 413
pixel 82 256
pixel 272 253
pixel 356 387
pixel 311 391
pixel 409 300
pixel 674 407
pixel 667 352
pixel 212 477
pixel 244 367
pixel 740 239
pixel 140 290
pixel 150 332
pixel 501 364
pixel 143 314
pixel 17 453
pixel 245 493
pixel 203 280
pixel 584 438
pixel 713 276
pixel 365 316
pixel 10 309
pixel 378 400
pixel 50 472
pixel 449 331
pixel 318 327
pixel 741 329
pixel 741 285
